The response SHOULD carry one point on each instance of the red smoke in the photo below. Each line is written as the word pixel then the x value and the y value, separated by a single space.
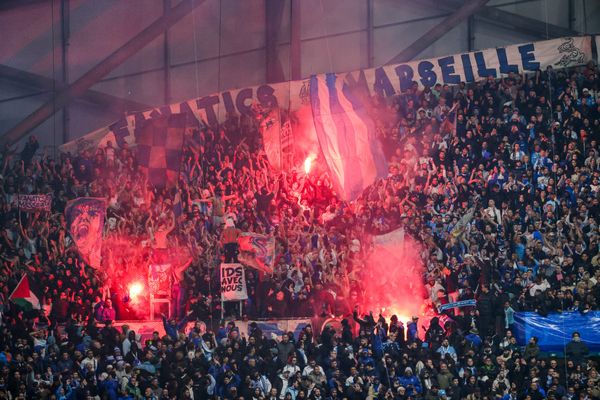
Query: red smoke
pixel 392 277
pixel 305 139
pixel 126 260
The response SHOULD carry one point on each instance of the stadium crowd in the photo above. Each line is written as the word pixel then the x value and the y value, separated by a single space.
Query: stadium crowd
pixel 518 156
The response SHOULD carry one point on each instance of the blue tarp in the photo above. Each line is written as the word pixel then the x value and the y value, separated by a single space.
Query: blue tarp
pixel 554 331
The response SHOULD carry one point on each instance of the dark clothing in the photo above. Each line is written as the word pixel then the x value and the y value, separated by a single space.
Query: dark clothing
pixel 577 351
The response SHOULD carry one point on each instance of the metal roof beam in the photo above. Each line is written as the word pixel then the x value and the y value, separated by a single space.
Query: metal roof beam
pixel 39 82
pixel 87 80
pixel 461 14
pixel 508 20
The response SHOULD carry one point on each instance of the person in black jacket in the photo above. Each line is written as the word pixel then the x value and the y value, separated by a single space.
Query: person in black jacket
pixel 576 349
pixel 485 308
pixel 346 332
pixel 434 333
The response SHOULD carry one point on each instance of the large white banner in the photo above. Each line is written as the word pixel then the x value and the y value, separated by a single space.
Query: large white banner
pixel 233 282
pixel 388 81
pixel 478 65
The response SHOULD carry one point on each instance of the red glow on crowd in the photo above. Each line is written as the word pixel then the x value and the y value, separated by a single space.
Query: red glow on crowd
pixel 128 260
pixel 392 277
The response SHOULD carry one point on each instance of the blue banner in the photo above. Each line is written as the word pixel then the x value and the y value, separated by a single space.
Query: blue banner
pixel 277 327
pixel 462 303
pixel 554 331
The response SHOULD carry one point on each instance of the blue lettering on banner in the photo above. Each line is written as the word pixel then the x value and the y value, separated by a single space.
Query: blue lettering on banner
pixel 505 67
pixel 405 75
pixel 482 69
pixel 228 102
pixel 240 101
pixel 266 97
pixel 448 72
pixel 357 86
pixel 528 57
pixel 428 76
pixel 382 85
pixel 468 68
pixel 207 103
pixel 165 110
pixel 185 108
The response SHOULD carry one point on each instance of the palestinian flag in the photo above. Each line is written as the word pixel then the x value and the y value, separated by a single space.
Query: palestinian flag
pixel 24 297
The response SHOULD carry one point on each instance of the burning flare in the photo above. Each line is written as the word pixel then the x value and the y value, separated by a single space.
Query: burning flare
pixel 135 289
pixel 308 163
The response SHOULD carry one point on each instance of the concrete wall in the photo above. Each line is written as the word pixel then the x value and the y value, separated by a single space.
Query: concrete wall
pixel 221 45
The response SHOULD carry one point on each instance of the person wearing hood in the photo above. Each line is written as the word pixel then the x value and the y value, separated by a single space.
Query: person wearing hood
pixel 282 382
pixel 434 333
pixel 410 382
pixel 473 338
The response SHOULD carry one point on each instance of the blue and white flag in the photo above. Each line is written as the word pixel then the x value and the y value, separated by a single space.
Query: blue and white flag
pixel 346 136
pixel 458 304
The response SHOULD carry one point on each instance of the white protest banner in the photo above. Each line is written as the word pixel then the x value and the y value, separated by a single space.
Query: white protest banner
pixel 476 66
pixel 33 202
pixel 233 282
pixel 387 81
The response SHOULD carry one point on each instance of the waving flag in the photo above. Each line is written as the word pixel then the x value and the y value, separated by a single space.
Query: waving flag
pixel 24 296
pixel 257 251
pixel 346 136
pixel 159 147
pixel 270 129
